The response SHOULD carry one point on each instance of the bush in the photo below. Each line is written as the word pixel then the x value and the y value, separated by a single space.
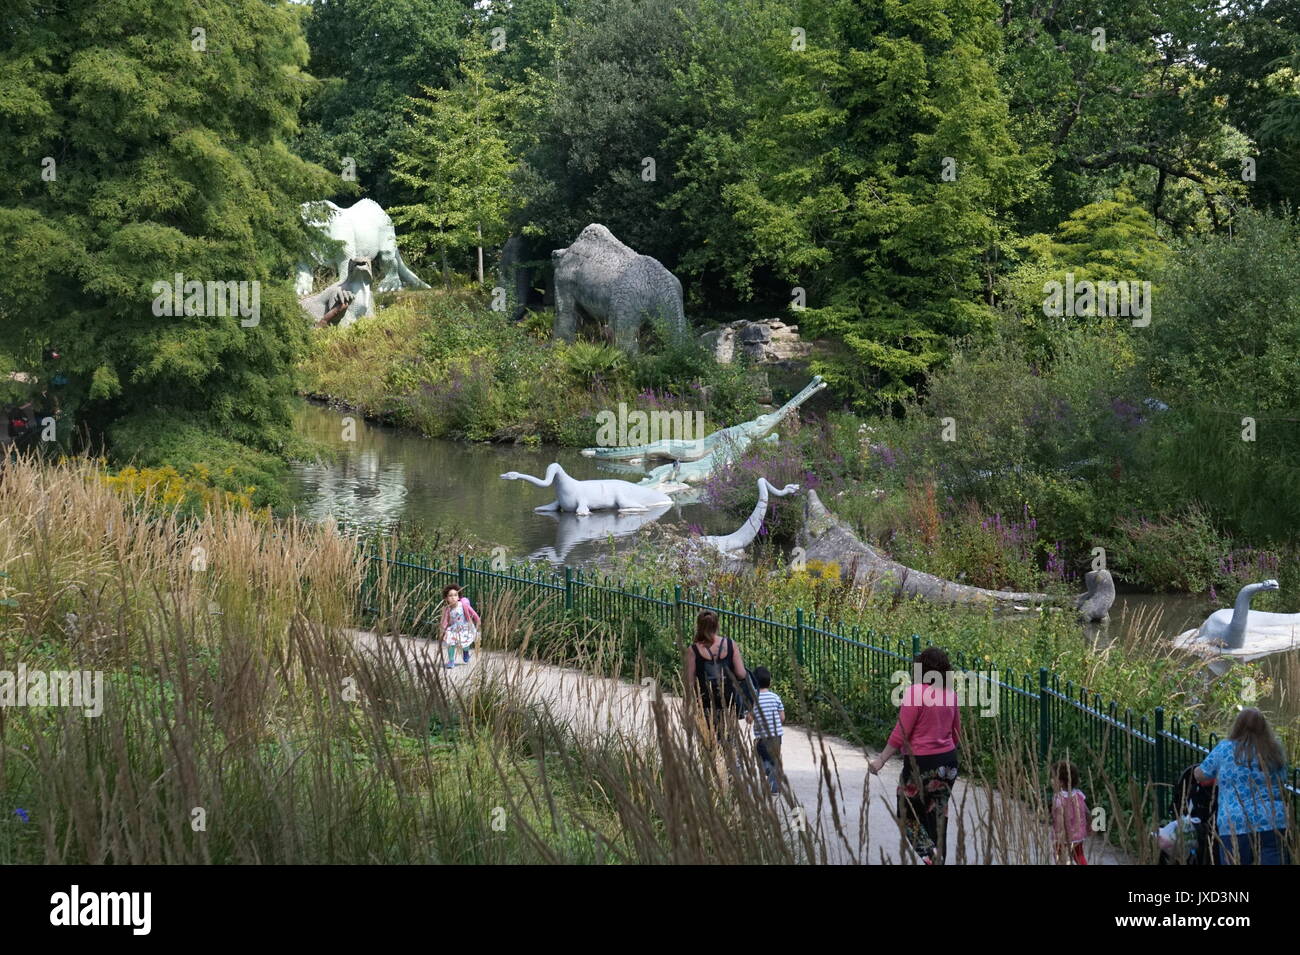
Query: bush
pixel 1175 552
pixel 194 453
pixel 587 363
pixel 191 494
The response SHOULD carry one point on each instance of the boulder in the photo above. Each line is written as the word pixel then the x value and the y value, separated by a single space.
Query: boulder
pixel 765 342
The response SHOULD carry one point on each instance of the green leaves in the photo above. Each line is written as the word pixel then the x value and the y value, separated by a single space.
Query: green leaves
pixel 165 158
pixel 454 161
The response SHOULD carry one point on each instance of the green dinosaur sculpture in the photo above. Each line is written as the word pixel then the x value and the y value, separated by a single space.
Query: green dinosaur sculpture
pixel 701 458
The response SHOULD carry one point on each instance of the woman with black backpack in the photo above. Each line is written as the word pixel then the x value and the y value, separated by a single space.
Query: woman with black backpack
pixel 716 669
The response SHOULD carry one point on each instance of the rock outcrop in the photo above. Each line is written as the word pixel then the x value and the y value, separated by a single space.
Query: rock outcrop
pixel 764 342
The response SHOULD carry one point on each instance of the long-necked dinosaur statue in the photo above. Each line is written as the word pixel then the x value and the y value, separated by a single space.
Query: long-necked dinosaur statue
pixel 730 441
pixel 825 538
pixel 734 544
pixel 1242 633
pixel 583 497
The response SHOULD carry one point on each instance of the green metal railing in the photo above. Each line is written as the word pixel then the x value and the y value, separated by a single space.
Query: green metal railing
pixel 845 677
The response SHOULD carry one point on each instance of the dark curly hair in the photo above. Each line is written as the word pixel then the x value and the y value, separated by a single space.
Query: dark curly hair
pixel 933 660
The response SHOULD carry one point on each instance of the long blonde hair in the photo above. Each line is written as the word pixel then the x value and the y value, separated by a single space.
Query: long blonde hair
pixel 1254 742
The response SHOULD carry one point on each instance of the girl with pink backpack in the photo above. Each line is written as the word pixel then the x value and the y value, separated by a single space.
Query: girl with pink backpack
pixel 459 625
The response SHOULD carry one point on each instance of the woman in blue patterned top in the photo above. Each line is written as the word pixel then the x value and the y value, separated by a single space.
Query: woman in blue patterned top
pixel 1249 767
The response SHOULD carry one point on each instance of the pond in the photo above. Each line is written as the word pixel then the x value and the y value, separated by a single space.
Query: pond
pixel 387 476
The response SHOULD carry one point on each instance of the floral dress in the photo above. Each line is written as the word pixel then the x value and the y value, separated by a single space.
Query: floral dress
pixel 460 632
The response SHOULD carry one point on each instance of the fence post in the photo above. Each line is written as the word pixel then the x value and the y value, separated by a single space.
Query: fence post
pixel 568 588
pixel 460 572
pixel 1160 745
pixel 1044 715
pixel 916 646
pixel 798 636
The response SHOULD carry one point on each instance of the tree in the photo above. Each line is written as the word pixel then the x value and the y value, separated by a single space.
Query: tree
pixel 370 55
pixel 456 164
pixel 605 100
pixel 864 157
pixel 1223 352
pixel 1123 93
pixel 146 141
pixel 1111 240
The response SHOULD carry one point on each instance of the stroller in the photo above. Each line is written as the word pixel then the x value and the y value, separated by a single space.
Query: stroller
pixel 1189 838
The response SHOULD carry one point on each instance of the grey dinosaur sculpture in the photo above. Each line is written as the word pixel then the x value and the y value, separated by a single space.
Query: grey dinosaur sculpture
pixel 365 231
pixel 825 538
pixel 733 544
pixel 1094 604
pixel 344 301
pixel 727 445
pixel 610 282
pixel 1244 633
pixel 583 497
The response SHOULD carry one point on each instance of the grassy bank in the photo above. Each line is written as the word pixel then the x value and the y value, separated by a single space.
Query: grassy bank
pixel 443 363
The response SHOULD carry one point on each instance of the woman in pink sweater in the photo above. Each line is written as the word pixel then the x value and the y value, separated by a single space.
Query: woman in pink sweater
pixel 927 734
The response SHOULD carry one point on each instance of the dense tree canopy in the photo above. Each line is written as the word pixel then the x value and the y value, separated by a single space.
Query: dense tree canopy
pixel 912 174
pixel 147 141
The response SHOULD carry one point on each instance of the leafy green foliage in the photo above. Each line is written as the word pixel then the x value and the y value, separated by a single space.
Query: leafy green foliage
pixel 168 159
pixel 370 55
pixel 455 165
pixel 588 362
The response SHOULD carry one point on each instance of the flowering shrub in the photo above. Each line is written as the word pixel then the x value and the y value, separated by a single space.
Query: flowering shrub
pixel 734 488
pixel 191 493
pixel 966 544
pixel 1173 552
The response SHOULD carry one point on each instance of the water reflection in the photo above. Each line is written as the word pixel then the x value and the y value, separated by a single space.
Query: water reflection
pixel 387 476
pixel 599 526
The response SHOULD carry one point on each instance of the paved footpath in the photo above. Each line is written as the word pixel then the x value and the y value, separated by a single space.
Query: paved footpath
pixel 983 827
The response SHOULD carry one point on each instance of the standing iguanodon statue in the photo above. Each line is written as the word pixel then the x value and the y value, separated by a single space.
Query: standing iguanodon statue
pixel 367 232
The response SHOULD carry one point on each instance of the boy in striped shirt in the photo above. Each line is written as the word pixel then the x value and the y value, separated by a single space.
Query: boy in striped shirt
pixel 768 717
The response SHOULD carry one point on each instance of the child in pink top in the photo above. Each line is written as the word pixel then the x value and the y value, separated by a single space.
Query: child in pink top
pixel 459 624
pixel 1069 814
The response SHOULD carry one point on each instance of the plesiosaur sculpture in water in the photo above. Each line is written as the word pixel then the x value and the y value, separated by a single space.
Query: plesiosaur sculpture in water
pixel 583 497
pixel 1242 633
pixel 695 460
pixel 731 545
